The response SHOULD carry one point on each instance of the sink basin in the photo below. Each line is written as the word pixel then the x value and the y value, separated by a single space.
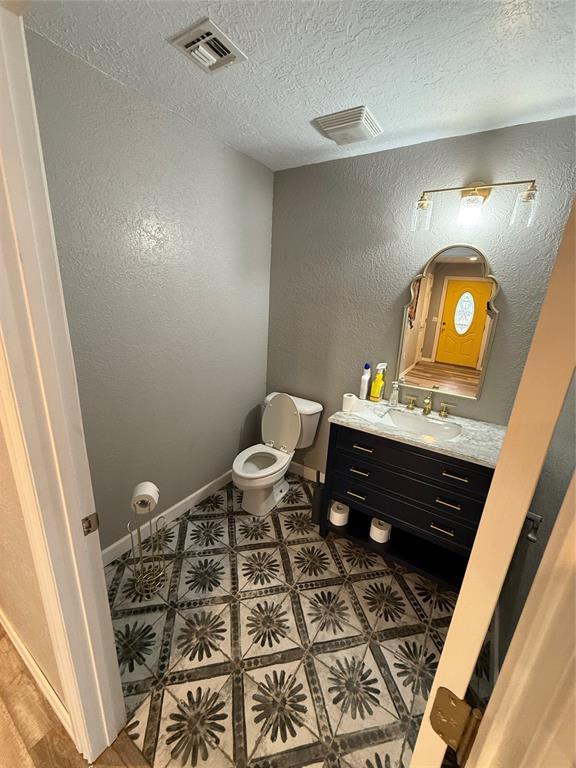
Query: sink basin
pixel 423 426
pixel 428 428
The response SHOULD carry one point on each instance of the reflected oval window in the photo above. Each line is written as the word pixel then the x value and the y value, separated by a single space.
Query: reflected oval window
pixel 464 313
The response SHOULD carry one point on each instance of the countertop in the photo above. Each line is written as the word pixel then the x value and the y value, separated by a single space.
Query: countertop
pixel 479 442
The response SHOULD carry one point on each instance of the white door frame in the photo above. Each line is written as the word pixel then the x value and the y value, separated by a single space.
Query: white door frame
pixel 40 416
pixel 543 386
pixel 428 281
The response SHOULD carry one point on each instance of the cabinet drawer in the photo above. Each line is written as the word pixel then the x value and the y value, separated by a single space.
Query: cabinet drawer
pixel 402 513
pixel 467 478
pixel 442 501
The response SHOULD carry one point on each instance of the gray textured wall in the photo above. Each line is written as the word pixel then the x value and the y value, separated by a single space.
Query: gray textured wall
pixel 343 256
pixel 163 236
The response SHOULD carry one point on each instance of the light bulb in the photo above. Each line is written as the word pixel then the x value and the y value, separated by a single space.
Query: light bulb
pixel 470 209
pixel 524 207
pixel 422 214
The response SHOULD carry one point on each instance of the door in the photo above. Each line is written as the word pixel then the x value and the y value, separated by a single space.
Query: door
pixel 549 367
pixel 463 320
pixel 40 417
pixel 534 698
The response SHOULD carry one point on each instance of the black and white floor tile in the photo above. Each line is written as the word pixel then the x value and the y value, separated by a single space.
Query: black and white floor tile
pixel 269 646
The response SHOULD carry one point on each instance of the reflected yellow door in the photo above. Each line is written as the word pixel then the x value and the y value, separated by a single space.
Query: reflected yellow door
pixel 463 320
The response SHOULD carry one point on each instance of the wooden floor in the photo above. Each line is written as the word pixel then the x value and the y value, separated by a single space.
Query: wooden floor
pixel 31 736
pixel 449 378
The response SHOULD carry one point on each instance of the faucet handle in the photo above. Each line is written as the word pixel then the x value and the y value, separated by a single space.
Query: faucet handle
pixel 443 412
pixel 411 402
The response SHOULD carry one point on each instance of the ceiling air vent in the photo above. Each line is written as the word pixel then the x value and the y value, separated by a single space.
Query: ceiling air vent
pixel 207 46
pixel 348 126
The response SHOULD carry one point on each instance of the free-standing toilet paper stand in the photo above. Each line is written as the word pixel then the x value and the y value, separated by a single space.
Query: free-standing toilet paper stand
pixel 148 556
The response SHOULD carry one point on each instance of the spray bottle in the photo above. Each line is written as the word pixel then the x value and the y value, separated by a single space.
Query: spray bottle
pixel 377 389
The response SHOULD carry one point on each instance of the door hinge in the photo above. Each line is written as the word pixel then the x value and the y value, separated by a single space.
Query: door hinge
pixel 90 523
pixel 456 722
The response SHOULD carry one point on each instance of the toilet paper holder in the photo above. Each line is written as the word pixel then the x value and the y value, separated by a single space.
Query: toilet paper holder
pixel 149 565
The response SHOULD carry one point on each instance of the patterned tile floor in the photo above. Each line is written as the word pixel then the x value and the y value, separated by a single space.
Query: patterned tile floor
pixel 270 646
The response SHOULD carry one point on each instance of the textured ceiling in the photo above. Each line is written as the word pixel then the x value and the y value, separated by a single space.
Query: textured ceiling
pixel 426 69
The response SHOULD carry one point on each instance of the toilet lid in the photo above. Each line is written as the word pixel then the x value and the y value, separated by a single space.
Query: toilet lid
pixel 281 423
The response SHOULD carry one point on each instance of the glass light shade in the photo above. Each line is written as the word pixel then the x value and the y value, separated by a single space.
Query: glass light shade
pixel 422 215
pixel 470 210
pixel 524 208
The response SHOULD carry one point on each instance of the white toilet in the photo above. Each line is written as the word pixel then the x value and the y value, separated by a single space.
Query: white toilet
pixel 259 471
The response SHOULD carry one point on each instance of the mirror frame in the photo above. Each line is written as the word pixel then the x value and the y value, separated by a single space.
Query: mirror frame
pixel 491 310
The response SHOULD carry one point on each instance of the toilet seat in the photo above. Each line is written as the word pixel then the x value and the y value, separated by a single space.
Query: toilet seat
pixel 265 463
pixel 281 423
pixel 246 467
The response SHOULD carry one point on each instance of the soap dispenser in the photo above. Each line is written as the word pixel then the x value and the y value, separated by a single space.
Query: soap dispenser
pixel 394 395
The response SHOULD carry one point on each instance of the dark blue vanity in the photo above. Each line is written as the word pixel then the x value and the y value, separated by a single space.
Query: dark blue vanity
pixel 434 502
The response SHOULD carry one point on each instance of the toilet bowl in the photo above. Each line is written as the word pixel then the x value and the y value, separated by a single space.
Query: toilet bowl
pixel 260 471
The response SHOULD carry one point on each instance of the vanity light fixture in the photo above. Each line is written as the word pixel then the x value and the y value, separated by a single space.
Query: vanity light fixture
pixel 472 198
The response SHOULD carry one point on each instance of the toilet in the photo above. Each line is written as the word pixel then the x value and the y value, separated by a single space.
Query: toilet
pixel 260 471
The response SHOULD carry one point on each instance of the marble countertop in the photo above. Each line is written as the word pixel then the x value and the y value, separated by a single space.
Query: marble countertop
pixel 479 441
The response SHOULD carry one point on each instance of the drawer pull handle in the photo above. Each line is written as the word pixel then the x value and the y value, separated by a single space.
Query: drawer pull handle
pixel 454 477
pixel 457 507
pixel 442 530
pixel 359 472
pixel 362 448
pixel 356 495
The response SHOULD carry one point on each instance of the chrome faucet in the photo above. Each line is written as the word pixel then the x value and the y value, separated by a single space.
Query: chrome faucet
pixel 427 405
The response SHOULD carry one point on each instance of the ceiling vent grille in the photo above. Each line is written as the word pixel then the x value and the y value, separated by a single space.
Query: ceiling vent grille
pixel 348 126
pixel 207 46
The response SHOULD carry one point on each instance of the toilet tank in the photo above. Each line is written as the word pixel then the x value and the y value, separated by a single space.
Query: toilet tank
pixel 309 417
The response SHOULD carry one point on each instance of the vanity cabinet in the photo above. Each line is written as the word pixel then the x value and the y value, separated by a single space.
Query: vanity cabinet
pixel 433 502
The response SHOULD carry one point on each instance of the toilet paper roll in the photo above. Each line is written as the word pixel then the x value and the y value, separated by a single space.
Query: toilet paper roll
pixel 379 530
pixel 145 498
pixel 348 402
pixel 339 513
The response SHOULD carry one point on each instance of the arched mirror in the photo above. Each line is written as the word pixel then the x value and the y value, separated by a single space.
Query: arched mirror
pixel 449 324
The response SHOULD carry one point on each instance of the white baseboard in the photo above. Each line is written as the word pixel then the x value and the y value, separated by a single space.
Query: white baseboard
pixel 306 472
pixel 119 547
pixel 37 675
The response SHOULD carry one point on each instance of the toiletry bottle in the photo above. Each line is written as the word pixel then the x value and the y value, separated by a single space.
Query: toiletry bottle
pixel 384 369
pixel 394 395
pixel 377 389
pixel 365 382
